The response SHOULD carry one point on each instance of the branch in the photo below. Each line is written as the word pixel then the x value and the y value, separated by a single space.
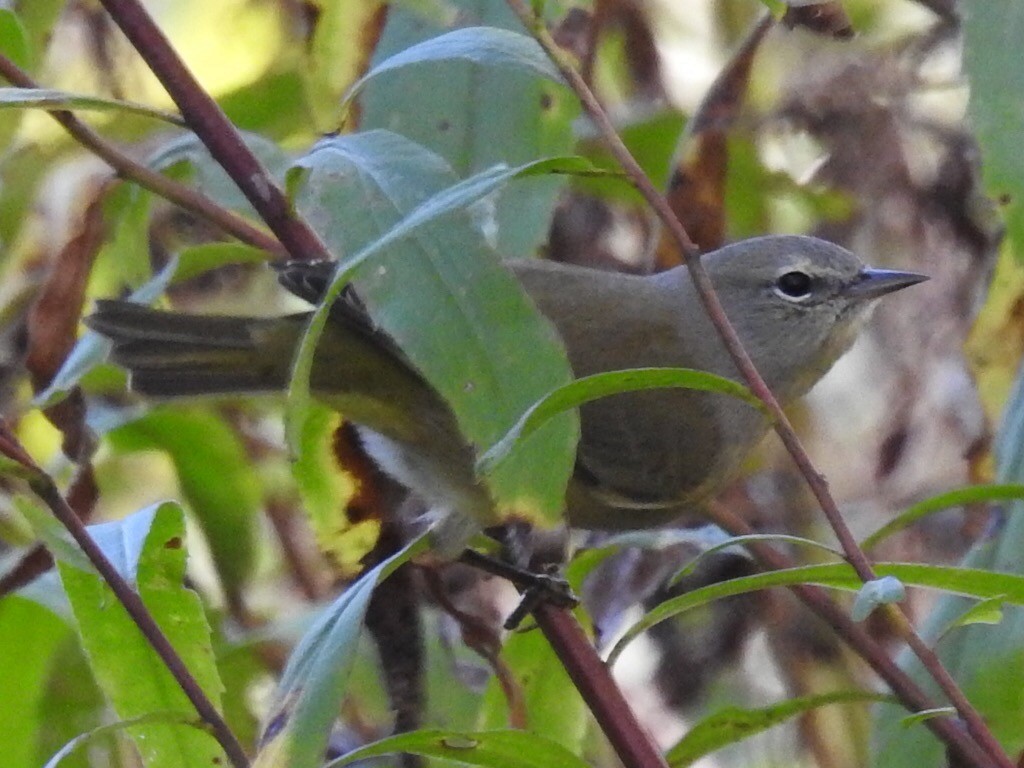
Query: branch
pixel 46 489
pixel 214 129
pixel 187 199
pixel 691 254
pixel 597 687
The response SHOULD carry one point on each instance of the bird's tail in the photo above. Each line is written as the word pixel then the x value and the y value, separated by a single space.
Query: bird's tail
pixel 170 354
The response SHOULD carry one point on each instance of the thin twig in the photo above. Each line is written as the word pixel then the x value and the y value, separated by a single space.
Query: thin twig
pixel 46 489
pixel 214 129
pixel 187 199
pixel 691 254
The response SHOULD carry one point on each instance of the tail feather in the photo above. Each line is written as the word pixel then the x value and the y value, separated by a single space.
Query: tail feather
pixel 356 370
pixel 170 354
pixel 124 321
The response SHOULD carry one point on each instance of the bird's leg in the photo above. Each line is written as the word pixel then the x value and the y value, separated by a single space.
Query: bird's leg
pixel 536 587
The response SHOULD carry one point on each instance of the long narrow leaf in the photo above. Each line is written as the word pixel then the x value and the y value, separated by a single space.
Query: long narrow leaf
pixel 732 724
pixel 975 494
pixel 49 99
pixel 312 685
pixel 970 582
pixel 494 749
pixel 599 385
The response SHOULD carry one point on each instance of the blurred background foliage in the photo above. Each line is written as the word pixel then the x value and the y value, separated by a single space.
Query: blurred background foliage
pixel 900 141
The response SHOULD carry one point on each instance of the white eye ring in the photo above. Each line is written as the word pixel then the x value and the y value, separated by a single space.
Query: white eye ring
pixel 793 285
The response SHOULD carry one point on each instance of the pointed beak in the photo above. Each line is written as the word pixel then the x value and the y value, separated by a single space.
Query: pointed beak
pixel 872 283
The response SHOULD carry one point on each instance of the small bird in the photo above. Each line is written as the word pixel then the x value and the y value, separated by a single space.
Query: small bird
pixel 644 458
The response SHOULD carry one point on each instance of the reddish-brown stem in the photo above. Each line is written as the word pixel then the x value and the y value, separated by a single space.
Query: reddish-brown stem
pixel 185 198
pixel 213 128
pixel 691 254
pixel 44 487
pixel 593 680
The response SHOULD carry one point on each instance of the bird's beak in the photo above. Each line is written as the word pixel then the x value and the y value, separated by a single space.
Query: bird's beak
pixel 872 283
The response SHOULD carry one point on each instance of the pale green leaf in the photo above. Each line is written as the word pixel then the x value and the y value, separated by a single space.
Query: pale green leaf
pixel 733 724
pixel 974 494
pixel 50 99
pixel 969 582
pixel 439 291
pixel 313 683
pixel 588 388
pixel 477 97
pixel 494 749
pixel 217 477
pixel 489 46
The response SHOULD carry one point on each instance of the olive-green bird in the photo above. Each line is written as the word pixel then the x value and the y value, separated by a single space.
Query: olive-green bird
pixel 644 458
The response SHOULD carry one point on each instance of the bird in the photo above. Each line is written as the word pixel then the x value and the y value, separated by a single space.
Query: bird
pixel 644 458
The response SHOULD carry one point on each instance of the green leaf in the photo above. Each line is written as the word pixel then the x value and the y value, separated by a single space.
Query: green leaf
pixel 325 490
pixel 652 140
pixel 72 704
pixel 147 548
pixel 489 46
pixel 14 42
pixel 83 739
pixel 971 582
pixel 928 714
pixel 989 611
pixel 197 260
pixel 217 477
pixel 488 96
pixel 494 749
pixel 599 385
pixel 707 538
pixel 733 724
pixel 38 18
pixel 29 634
pixel 211 179
pixel 974 494
pixel 739 541
pixel 992 63
pixel 438 290
pixel 777 7
pixel 15 45
pixel 51 533
pixel 312 685
pixel 50 99
pixel 554 708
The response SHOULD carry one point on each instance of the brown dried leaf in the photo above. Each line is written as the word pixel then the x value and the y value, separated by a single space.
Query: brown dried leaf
pixel 697 186
pixel 53 318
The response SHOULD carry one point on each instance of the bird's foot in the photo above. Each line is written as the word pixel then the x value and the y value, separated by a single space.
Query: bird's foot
pixel 536 588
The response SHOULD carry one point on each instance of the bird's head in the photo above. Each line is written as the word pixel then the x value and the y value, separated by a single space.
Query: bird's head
pixel 797 303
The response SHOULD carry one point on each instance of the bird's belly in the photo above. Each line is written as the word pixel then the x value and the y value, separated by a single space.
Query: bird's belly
pixel 666 445
pixel 441 475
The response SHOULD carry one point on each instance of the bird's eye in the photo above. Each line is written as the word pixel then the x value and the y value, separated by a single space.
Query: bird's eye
pixel 794 285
